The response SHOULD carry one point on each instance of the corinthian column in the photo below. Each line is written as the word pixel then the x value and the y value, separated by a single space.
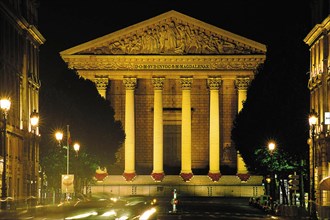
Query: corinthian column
pixel 186 172
pixel 158 172
pixel 129 172
pixel 242 85
pixel 214 172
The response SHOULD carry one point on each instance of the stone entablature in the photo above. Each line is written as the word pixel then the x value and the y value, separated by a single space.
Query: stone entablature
pixel 243 62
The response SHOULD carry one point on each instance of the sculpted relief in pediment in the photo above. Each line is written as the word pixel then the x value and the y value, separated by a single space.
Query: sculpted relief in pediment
pixel 170 37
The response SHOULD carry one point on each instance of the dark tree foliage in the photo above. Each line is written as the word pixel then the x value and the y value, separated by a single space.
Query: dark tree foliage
pixel 277 106
pixel 67 99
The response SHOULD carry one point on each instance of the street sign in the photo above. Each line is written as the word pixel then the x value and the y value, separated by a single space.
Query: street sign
pixel 327 118
pixel 67 183
pixel 291 176
pixel 294 187
pixel 294 181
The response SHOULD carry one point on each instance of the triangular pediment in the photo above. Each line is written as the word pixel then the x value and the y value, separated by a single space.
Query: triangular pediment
pixel 171 33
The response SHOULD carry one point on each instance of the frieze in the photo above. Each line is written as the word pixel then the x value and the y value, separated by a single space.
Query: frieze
pixel 171 66
pixel 164 63
pixel 171 36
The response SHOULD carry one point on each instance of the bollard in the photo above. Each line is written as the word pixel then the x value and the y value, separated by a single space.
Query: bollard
pixel 174 201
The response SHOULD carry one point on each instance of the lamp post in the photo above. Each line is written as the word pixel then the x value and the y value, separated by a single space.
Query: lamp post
pixel 5 107
pixel 271 148
pixel 34 120
pixel 312 123
pixel 76 148
pixel 59 137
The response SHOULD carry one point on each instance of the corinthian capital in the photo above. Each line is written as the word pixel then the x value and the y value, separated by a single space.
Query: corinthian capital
pixel 214 83
pixel 130 83
pixel 186 83
pixel 101 82
pixel 158 83
pixel 242 83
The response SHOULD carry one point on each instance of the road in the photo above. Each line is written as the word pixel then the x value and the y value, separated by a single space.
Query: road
pixel 187 208
pixel 214 208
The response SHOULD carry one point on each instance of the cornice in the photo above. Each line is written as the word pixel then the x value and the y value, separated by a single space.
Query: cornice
pixel 23 24
pixel 317 31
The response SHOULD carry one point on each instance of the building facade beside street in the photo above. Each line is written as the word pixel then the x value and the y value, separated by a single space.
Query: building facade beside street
pixel 318 40
pixel 19 82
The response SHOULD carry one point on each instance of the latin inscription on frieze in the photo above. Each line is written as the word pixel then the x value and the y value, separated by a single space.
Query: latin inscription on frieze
pixel 172 66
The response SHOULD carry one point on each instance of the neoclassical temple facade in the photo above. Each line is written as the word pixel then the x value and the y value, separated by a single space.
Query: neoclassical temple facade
pixel 176 84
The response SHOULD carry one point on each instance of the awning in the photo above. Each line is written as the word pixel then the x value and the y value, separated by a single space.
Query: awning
pixel 325 183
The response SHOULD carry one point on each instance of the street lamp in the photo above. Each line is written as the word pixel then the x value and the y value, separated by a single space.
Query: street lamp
pixel 59 137
pixel 5 107
pixel 271 148
pixel 76 148
pixel 312 122
pixel 34 120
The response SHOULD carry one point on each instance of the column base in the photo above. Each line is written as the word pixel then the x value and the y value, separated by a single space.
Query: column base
pixel 214 176
pixel 243 176
pixel 129 177
pixel 158 177
pixel 186 176
pixel 100 176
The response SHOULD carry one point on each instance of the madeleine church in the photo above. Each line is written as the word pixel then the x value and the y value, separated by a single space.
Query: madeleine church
pixel 176 84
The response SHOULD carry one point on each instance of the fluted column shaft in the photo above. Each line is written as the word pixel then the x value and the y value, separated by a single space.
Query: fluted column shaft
pixel 158 172
pixel 186 172
pixel 129 172
pixel 214 136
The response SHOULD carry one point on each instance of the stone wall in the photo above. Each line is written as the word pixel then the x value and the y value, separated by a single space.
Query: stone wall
pixel 200 185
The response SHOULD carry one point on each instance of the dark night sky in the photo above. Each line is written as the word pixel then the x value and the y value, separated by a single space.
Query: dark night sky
pixel 67 23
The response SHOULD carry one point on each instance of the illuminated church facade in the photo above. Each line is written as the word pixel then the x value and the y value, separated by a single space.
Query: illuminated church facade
pixel 176 84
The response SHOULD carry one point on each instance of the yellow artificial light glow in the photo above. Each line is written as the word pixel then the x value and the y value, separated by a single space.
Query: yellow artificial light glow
pixel 76 147
pixel 312 118
pixel 59 136
pixel 5 104
pixel 271 146
pixel 34 118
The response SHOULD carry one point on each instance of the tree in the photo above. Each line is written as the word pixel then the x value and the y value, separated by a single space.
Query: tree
pixel 276 107
pixel 75 101
pixel 66 99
